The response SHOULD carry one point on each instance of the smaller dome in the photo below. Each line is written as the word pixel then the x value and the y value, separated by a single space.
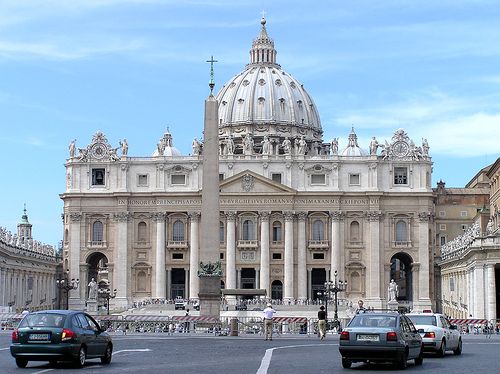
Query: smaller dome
pixel 165 147
pixel 353 149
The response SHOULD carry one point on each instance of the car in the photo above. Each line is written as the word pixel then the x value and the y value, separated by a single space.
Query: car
pixel 60 335
pixel 438 334
pixel 179 303
pixel 380 337
pixel 196 305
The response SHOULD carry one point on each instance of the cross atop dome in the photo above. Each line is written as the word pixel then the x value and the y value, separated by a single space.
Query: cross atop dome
pixel 263 51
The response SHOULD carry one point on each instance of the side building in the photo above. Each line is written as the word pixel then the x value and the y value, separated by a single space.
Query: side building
pixel 294 208
pixel 28 270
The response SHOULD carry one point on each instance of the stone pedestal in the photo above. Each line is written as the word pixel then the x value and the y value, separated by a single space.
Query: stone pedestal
pixel 393 305
pixel 209 296
pixel 92 306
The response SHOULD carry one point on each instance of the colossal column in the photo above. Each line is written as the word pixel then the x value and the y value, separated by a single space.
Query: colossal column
pixel 231 250
pixel 210 266
pixel 301 257
pixel 288 294
pixel 336 217
pixel 194 256
pixel 424 301
pixel 264 253
pixel 160 274
pixel 479 290
pixel 491 306
pixel 74 259
pixel 121 272
pixel 373 273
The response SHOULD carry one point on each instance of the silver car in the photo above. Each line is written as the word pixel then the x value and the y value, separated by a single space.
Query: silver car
pixel 380 337
pixel 438 334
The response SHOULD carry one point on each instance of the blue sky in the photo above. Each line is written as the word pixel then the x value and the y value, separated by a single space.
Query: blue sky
pixel 130 68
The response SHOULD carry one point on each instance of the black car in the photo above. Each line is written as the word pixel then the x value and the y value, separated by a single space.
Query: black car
pixel 60 335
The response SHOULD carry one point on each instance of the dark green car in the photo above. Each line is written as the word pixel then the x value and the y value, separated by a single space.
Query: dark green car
pixel 60 335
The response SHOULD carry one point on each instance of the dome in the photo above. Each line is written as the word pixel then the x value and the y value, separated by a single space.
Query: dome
pixel 265 100
pixel 353 149
pixel 165 147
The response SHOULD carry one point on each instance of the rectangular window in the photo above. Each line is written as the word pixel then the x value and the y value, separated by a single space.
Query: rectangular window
pixel 465 227
pixel 276 177
pixel 318 256
pixel 354 180
pixel 452 284
pixel 463 213
pixel 442 213
pixel 221 256
pixel 142 180
pixel 400 175
pixel 442 227
pixel 177 256
pixel 276 256
pixel 442 240
pixel 318 179
pixel 221 177
pixel 98 177
pixel 178 179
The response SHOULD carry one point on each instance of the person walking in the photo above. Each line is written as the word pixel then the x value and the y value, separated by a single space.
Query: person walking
pixel 322 322
pixel 268 321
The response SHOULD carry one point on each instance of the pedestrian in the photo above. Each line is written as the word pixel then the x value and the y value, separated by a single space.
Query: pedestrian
pixel 361 308
pixel 322 322
pixel 186 324
pixel 268 321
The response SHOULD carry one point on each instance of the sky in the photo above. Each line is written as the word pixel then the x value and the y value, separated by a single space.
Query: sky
pixel 132 68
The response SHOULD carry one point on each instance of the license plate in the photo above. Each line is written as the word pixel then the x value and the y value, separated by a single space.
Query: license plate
pixel 368 338
pixel 39 337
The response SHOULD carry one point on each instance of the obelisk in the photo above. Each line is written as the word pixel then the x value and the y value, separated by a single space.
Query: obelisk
pixel 210 267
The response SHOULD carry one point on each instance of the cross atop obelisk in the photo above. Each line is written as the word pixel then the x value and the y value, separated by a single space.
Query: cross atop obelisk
pixel 212 83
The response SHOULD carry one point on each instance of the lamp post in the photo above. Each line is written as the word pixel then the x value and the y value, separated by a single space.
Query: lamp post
pixel 334 287
pixel 67 285
pixel 107 294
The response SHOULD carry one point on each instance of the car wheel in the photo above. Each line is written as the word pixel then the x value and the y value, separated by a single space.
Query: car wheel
pixel 21 362
pixel 458 351
pixel 346 364
pixel 402 361
pixel 80 359
pixel 420 359
pixel 106 359
pixel 442 349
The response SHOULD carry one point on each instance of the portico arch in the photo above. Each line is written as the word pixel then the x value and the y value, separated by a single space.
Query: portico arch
pixel 401 272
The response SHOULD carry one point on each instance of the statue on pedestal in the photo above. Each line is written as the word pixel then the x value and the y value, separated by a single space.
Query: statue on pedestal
pixel 392 291
pixel 72 148
pixel 92 289
pixel 335 146
pixel 124 146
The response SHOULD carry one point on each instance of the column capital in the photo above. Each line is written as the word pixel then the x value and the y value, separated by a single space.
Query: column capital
pixel 289 215
pixel 159 216
pixel 75 216
pixel 337 215
pixel 194 216
pixel 415 266
pixel 121 216
pixel 231 216
pixel 302 216
pixel 373 215
pixel 264 216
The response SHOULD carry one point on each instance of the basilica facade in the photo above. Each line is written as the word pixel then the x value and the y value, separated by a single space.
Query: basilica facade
pixel 294 208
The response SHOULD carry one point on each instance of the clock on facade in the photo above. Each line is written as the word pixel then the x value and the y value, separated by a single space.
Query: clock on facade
pixel 400 148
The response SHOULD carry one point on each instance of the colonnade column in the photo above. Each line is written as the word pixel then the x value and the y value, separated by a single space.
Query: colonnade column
pixel 231 250
pixel 160 272
pixel 373 273
pixel 121 267
pixel 335 216
pixel 74 259
pixel 491 305
pixel 264 253
pixel 194 254
pixel 424 300
pixel 288 294
pixel 301 257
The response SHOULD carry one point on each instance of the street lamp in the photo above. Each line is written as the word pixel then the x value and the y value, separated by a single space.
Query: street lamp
pixel 67 285
pixel 107 294
pixel 334 287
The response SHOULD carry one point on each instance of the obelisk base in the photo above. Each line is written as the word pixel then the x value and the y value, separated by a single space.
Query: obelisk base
pixel 210 296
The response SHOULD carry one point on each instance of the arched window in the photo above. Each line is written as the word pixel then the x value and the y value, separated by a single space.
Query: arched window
pixel 401 231
pixel 354 231
pixel 221 232
pixel 178 231
pixel 142 232
pixel 277 231
pixel 248 230
pixel 276 290
pixel 141 281
pixel 318 230
pixel 97 231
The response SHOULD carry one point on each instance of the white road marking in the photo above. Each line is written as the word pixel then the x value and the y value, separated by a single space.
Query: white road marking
pixel 42 371
pixel 132 350
pixel 3 349
pixel 266 360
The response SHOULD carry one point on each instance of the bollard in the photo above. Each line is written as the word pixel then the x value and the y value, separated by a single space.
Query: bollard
pixel 234 327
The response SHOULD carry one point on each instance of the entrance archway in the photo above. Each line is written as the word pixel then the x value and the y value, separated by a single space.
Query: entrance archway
pixel 276 290
pixel 402 275
pixel 318 279
pixel 97 267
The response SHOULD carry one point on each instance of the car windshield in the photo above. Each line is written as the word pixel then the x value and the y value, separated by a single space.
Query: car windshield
pixel 423 320
pixel 367 320
pixel 43 320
